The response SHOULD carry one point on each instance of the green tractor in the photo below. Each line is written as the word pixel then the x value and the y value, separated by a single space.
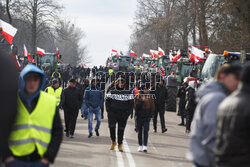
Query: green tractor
pixel 48 62
pixel 124 64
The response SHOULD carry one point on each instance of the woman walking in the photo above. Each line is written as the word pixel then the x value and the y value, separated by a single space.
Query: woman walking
pixel 144 109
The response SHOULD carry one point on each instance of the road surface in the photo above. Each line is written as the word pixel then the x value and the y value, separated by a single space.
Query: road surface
pixel 166 149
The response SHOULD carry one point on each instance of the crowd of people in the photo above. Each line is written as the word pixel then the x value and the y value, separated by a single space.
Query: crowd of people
pixel 217 114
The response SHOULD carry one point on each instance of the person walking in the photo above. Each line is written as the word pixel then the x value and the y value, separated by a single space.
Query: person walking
pixel 65 78
pixel 119 105
pixel 56 91
pixel 161 95
pixel 182 95
pixel 71 106
pixel 233 126
pixel 56 75
pixel 94 100
pixel 190 104
pixel 84 109
pixel 144 108
pixel 203 130
pixel 37 133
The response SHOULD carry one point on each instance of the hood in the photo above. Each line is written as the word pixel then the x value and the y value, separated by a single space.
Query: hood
pixel 27 69
pixel 211 86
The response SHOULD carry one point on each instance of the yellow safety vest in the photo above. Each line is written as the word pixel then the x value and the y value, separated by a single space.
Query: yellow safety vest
pixel 111 72
pixel 33 131
pixel 56 93
pixel 59 75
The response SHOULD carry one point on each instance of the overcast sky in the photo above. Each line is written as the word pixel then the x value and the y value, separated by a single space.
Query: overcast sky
pixel 105 22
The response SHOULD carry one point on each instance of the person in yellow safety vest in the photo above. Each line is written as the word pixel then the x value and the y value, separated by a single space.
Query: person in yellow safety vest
pixel 56 75
pixel 37 132
pixel 111 72
pixel 56 91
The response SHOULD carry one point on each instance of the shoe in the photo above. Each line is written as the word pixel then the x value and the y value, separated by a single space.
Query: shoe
pixel 145 149
pixel 71 136
pixel 113 144
pixel 187 131
pixel 135 130
pixel 155 130
pixel 67 134
pixel 120 148
pixel 164 130
pixel 140 149
pixel 181 124
pixel 97 133
pixel 90 135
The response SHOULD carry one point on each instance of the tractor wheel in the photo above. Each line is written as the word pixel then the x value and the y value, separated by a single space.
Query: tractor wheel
pixel 171 101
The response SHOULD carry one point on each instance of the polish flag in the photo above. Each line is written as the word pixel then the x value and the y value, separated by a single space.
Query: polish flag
pixel 8 31
pixel 196 55
pixel 178 56
pixel 114 52
pixel 161 51
pixel 26 53
pixel 154 54
pixel 145 56
pixel 132 53
pixel 57 54
pixel 40 51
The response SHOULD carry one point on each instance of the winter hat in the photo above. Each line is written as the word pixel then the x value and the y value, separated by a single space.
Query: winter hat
pixel 72 81
pixel 32 74
pixel 55 81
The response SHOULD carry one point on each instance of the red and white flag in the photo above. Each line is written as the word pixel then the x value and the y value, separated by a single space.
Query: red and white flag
pixel 40 51
pixel 132 53
pixel 154 54
pixel 178 56
pixel 114 52
pixel 26 53
pixel 57 54
pixel 196 55
pixel 8 31
pixel 161 51
pixel 145 56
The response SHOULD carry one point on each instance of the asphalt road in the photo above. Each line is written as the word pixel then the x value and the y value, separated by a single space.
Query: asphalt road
pixel 166 149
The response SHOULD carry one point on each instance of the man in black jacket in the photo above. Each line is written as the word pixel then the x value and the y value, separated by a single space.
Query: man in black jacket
pixel 72 104
pixel 161 95
pixel 190 104
pixel 30 143
pixel 233 126
pixel 182 95
pixel 119 105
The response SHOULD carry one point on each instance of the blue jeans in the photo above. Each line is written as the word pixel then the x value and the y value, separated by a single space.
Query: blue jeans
pixel 19 163
pixel 143 128
pixel 84 109
pixel 97 112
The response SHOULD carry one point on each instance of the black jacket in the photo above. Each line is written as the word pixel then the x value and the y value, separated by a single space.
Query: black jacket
pixel 56 138
pixel 73 99
pixel 119 100
pixel 233 130
pixel 182 95
pixel 190 99
pixel 8 99
pixel 161 95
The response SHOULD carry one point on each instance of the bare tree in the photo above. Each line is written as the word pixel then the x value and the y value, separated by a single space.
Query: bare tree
pixel 68 39
pixel 39 14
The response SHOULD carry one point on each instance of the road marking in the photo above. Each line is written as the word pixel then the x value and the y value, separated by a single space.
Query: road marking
pixel 128 154
pixel 120 161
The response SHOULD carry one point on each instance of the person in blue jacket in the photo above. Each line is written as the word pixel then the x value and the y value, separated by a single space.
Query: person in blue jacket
pixel 94 100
